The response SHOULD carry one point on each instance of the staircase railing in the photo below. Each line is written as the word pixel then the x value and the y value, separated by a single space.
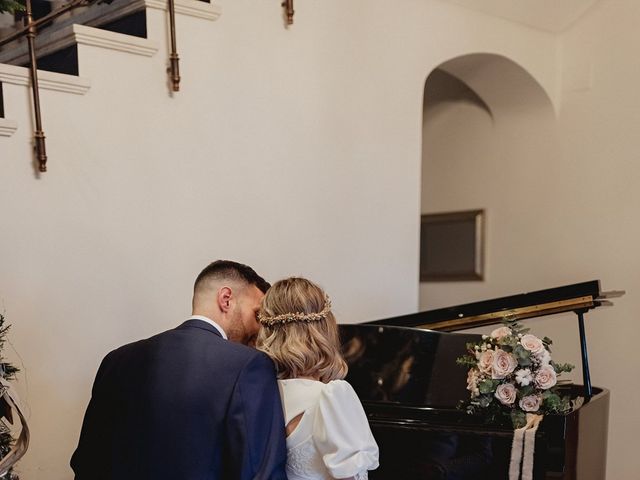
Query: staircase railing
pixel 30 30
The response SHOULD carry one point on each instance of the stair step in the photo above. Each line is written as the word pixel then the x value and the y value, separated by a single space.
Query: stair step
pixel 7 127
pixel 57 51
pixel 55 44
pixel 11 74
pixel 14 75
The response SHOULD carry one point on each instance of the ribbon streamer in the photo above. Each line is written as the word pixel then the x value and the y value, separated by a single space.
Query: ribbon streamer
pixel 9 395
pixel 522 449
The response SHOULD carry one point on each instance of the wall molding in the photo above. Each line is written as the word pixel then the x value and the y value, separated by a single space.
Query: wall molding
pixel 96 37
pixel 7 127
pixel 50 42
pixel 58 82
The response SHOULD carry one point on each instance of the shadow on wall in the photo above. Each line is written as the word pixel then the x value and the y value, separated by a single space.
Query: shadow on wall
pixel 501 84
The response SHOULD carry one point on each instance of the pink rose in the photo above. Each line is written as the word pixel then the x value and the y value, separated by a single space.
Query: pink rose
pixel 545 377
pixel 485 360
pixel 506 393
pixel 531 403
pixel 503 364
pixel 501 332
pixel 532 343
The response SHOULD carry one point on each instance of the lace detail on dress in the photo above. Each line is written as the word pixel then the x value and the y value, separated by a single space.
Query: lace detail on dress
pixel 303 461
pixel 361 475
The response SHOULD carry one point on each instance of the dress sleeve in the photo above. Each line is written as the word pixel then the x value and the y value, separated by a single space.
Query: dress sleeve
pixel 341 432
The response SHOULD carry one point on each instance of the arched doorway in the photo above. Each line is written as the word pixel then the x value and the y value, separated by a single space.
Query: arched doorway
pixel 486 124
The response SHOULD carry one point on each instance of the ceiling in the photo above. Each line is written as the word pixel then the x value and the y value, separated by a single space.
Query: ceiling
pixel 549 15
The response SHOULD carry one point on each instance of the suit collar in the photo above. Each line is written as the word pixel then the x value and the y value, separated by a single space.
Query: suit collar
pixel 203 324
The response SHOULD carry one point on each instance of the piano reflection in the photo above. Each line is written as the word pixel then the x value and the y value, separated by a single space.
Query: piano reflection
pixel 404 371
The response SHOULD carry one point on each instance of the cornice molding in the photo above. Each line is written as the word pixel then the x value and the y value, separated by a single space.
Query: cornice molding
pixel 7 127
pixel 82 35
pixel 96 37
pixel 58 82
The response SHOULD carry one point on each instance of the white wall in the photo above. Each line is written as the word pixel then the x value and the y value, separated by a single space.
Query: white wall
pixel 561 204
pixel 297 151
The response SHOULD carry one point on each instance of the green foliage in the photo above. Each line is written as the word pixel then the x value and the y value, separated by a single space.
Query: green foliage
pixel 11 6
pixel 562 367
pixel 518 418
pixel 488 386
pixel 466 361
pixel 522 355
pixel 526 390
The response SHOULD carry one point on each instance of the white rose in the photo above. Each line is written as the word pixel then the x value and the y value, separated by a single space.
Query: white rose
pixel 506 393
pixel 544 357
pixel 532 343
pixel 524 377
pixel 531 403
pixel 503 364
pixel 501 332
pixel 545 377
pixel 485 360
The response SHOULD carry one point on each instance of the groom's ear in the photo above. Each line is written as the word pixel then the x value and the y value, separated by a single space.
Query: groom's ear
pixel 224 299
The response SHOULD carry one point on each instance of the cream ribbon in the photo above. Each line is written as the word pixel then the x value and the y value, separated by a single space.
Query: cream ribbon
pixel 522 449
pixel 9 395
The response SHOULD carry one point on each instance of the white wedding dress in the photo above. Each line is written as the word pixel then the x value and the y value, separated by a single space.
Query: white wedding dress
pixel 333 439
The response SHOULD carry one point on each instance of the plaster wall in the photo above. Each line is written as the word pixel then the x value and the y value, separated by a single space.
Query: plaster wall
pixel 561 198
pixel 296 150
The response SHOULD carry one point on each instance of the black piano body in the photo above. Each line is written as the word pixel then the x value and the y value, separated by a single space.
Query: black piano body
pixel 408 381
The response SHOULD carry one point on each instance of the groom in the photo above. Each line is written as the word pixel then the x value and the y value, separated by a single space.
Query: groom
pixel 193 402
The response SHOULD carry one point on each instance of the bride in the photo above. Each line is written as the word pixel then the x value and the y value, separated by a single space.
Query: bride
pixel 328 436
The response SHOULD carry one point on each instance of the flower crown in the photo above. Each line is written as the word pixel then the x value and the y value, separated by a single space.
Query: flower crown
pixel 296 316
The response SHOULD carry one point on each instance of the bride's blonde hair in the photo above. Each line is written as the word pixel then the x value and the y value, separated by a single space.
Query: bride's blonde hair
pixel 299 331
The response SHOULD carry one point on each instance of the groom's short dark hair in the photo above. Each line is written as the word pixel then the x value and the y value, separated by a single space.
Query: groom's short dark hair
pixel 228 269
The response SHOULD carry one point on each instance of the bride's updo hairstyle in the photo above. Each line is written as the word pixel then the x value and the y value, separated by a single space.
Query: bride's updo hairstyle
pixel 299 331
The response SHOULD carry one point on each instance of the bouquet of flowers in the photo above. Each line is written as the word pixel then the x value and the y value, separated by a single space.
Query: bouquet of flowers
pixel 511 373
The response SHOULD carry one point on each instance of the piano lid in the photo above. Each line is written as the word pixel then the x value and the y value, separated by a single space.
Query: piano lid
pixel 576 297
pixel 406 366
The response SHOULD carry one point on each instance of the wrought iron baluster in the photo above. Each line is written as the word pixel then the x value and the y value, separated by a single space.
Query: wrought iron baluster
pixel 174 61
pixel 40 147
pixel 288 9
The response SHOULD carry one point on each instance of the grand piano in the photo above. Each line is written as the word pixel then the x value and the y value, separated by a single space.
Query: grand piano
pixel 405 373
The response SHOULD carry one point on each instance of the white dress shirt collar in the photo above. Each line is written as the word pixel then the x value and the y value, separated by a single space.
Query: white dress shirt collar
pixel 210 322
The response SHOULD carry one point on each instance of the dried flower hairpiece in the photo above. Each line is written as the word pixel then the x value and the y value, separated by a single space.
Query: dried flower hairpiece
pixel 296 316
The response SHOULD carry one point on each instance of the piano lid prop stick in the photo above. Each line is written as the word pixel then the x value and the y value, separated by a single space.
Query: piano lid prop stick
pixel 586 376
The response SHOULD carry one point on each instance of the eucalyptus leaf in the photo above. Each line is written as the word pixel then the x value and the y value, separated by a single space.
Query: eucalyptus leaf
pixel 487 386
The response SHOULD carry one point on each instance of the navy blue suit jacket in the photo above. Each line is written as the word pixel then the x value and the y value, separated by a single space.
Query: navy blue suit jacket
pixel 183 405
